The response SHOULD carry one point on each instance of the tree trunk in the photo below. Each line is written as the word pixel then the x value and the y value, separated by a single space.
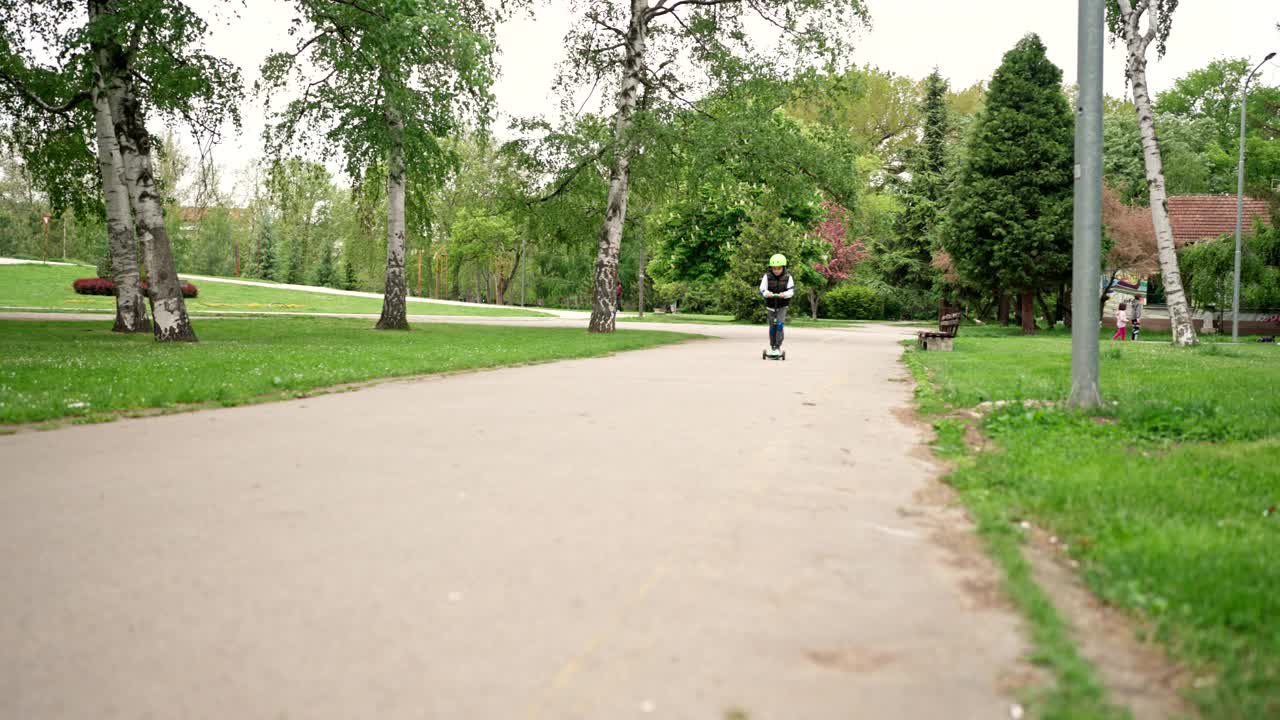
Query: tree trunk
pixel 610 241
pixel 640 279
pixel 813 303
pixel 1136 43
pixel 393 297
pixel 507 281
pixel 1050 318
pixel 1106 294
pixel 131 306
pixel 1027 313
pixel 168 310
pixel 1004 309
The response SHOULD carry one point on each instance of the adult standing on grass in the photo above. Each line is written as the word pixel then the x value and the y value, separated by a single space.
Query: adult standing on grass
pixel 1122 317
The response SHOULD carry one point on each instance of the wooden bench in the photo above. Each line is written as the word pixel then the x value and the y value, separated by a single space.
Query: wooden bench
pixel 948 324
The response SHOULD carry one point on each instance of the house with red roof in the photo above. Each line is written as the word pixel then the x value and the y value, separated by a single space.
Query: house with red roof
pixel 1197 218
pixel 1208 217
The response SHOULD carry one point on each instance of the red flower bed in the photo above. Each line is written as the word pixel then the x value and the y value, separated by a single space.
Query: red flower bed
pixel 93 286
pixel 99 286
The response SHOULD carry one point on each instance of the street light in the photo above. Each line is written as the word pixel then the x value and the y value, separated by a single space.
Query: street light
pixel 1087 219
pixel 1235 290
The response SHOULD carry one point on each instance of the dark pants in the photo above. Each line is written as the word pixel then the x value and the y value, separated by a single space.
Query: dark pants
pixel 777 317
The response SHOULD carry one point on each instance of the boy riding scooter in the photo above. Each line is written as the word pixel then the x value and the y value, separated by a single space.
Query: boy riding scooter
pixel 777 287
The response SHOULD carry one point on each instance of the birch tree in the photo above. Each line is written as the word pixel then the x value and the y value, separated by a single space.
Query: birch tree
pixel 1126 21
pixel 649 43
pixel 131 312
pixel 126 59
pixel 47 107
pixel 379 81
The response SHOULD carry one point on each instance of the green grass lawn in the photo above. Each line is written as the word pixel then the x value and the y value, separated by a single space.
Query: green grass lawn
pixel 792 320
pixel 1163 496
pixel 59 369
pixel 42 286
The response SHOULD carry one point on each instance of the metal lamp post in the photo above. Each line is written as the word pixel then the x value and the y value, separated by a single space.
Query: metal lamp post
pixel 1235 288
pixel 1087 225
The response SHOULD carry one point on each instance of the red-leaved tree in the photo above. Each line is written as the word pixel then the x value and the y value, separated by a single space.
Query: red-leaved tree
pixel 1133 241
pixel 844 254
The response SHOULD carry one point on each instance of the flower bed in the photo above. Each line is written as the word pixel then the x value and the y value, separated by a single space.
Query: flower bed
pixel 100 286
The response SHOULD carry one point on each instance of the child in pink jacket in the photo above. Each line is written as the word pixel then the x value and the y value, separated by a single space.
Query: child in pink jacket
pixel 1122 321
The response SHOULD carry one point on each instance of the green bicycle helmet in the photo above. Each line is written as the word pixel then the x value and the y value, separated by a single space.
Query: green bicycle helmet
pixel 778 260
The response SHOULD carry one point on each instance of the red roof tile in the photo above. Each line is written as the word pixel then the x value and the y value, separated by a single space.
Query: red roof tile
pixel 1204 217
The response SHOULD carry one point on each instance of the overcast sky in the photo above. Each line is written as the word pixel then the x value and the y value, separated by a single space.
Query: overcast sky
pixel 964 39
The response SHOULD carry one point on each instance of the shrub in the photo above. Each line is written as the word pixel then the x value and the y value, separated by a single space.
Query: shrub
pixel 695 296
pixel 912 304
pixel 742 301
pixel 99 286
pixel 93 286
pixel 855 302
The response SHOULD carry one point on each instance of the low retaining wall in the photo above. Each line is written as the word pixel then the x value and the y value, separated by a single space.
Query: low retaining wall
pixel 1247 327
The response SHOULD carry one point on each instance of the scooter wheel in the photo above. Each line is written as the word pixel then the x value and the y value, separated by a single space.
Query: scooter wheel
pixel 784 356
pixel 764 354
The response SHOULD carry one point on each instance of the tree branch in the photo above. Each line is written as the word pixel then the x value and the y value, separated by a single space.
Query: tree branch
pixel 585 100
pixel 657 11
pixel 303 47
pixel 615 46
pixel 670 90
pixel 361 8
pixel 573 174
pixel 40 102
pixel 595 19
pixel 772 21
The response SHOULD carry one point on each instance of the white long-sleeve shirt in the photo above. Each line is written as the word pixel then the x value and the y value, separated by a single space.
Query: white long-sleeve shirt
pixel 791 286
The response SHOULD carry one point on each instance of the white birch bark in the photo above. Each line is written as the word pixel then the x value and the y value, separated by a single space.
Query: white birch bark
pixel 131 308
pixel 168 310
pixel 393 299
pixel 610 242
pixel 1136 43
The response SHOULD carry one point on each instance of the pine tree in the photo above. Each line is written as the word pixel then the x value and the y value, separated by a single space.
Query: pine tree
pixel 349 280
pixel 295 264
pixel 1009 216
pixel 906 262
pixel 266 254
pixel 325 275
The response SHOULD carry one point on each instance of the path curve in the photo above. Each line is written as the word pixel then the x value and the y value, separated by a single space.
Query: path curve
pixel 682 532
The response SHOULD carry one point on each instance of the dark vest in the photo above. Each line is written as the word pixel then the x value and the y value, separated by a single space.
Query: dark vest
pixel 778 284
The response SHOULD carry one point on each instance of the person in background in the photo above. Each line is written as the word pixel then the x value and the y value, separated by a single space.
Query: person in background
pixel 1122 319
pixel 1135 317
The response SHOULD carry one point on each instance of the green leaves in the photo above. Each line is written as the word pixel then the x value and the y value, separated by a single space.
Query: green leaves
pixel 430 62
pixel 1009 219
pixel 46 59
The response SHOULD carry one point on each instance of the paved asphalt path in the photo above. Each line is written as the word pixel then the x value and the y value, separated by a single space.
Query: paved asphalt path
pixel 682 532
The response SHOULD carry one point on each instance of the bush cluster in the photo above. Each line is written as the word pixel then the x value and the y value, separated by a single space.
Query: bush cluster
pixel 855 302
pixel 101 286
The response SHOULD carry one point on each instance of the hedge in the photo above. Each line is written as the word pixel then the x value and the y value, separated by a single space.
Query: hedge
pixel 855 302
